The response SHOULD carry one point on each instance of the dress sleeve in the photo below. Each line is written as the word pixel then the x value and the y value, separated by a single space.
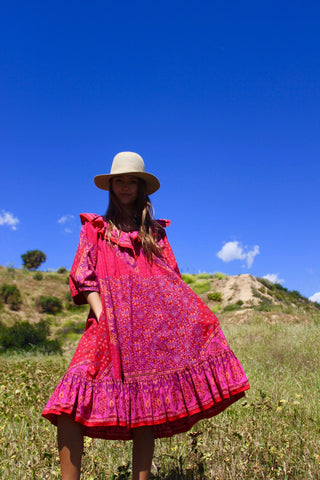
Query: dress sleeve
pixel 83 276
pixel 168 255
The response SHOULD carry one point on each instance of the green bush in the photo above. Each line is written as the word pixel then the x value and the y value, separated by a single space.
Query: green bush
pixel 69 303
pixel 281 297
pixel 72 326
pixel 188 278
pixel 26 336
pixel 11 271
pixel 219 275
pixel 205 276
pixel 32 259
pixel 49 304
pixel 272 286
pixel 215 296
pixel 257 293
pixel 278 286
pixel 10 294
pixel 38 276
pixel 296 297
pixel 201 287
pixel 266 283
pixel 62 270
pixel 233 306
pixel 265 306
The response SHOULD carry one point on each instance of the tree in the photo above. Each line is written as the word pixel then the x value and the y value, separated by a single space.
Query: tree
pixel 32 259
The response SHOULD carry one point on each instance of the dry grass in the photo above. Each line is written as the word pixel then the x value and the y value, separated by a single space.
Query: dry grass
pixel 272 434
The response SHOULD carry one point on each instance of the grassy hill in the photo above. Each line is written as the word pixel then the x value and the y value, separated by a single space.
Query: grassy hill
pixel 239 299
pixel 272 434
pixel 242 297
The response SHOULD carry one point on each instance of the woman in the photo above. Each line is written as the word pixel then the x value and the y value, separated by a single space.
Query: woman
pixel 153 359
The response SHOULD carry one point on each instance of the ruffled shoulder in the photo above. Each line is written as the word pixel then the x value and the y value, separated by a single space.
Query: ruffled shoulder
pixel 95 221
pixel 124 239
pixel 100 227
pixel 91 218
pixel 163 222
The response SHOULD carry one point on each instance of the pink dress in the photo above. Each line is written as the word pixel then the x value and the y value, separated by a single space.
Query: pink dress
pixel 156 356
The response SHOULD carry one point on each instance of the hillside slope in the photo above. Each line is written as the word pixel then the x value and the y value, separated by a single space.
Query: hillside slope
pixel 241 297
pixel 236 299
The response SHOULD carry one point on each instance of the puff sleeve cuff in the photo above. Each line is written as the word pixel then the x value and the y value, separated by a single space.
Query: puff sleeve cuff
pixel 83 275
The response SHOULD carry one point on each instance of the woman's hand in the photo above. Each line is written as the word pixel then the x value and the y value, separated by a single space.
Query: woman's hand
pixel 94 300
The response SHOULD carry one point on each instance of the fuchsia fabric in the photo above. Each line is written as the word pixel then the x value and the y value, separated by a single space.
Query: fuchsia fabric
pixel 156 356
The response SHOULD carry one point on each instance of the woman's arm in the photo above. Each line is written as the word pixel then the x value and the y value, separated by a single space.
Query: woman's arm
pixel 94 300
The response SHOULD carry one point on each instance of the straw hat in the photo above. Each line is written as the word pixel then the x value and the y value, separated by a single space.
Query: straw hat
pixel 128 163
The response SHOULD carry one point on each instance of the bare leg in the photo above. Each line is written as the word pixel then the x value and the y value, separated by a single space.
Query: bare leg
pixel 142 452
pixel 70 444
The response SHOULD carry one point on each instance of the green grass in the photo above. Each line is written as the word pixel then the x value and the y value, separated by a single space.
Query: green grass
pixel 205 276
pixel 215 308
pixel 188 278
pixel 219 275
pixel 272 434
pixel 214 296
pixel 201 286
pixel 233 306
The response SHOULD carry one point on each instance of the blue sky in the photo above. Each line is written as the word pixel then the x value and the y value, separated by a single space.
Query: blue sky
pixel 220 98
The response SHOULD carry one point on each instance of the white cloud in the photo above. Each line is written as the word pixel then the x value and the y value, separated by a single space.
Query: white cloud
pixel 315 297
pixel 65 218
pixel 273 278
pixel 68 221
pixel 235 251
pixel 251 254
pixel 7 218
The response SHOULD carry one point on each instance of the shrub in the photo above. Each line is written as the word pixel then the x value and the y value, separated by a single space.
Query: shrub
pixel 233 306
pixel 257 293
pixel 265 306
pixel 38 276
pixel 32 259
pixel 62 270
pixel 201 287
pixel 205 276
pixel 220 276
pixel 69 303
pixel 53 276
pixel 215 296
pixel 271 285
pixel 266 283
pixel 49 304
pixel 296 296
pixel 278 286
pixel 281 297
pixel 24 335
pixel 188 278
pixel 11 271
pixel 72 326
pixel 10 294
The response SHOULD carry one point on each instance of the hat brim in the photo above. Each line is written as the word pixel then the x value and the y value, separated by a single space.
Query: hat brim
pixel 152 183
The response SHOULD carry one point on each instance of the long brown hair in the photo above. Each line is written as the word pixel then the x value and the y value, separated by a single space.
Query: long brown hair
pixel 149 230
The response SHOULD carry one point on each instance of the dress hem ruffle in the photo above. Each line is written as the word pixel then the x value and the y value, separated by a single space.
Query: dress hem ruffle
pixel 171 403
pixel 167 428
